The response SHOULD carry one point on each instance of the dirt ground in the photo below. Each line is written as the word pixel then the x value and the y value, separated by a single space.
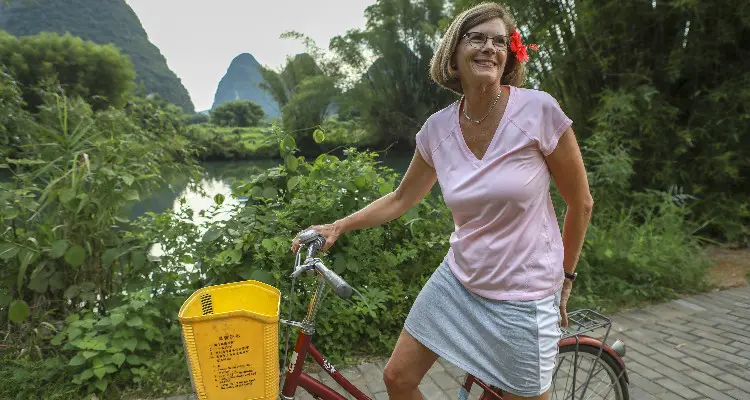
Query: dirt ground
pixel 732 267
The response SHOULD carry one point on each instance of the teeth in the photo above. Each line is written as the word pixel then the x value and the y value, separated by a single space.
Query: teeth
pixel 486 63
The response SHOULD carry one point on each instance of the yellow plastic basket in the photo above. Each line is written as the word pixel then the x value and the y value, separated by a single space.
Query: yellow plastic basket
pixel 231 340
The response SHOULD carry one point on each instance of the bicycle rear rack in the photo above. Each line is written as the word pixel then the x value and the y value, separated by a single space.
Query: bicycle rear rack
pixel 584 321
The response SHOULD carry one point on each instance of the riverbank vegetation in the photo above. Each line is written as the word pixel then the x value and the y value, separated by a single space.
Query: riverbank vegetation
pixel 87 307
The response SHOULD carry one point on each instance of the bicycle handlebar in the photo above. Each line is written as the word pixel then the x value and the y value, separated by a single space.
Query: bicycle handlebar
pixel 342 289
pixel 316 241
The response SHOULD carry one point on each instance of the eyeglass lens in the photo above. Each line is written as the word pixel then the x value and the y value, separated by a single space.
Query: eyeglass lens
pixel 478 39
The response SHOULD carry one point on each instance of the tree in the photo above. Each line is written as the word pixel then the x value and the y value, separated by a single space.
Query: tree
pixel 306 110
pixel 99 74
pixel 304 92
pixel 240 113
pixel 394 95
pixel 282 85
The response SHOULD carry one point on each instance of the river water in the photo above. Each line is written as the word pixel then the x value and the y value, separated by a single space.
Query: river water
pixel 218 179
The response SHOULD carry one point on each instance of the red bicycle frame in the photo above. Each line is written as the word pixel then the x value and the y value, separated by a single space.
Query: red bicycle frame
pixel 296 378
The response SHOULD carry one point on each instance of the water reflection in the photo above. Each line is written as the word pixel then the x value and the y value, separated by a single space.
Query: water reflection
pixel 203 202
pixel 218 179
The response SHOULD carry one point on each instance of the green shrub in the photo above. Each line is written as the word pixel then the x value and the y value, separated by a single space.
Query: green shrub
pixel 643 253
pixel 27 378
pixel 238 113
pixel 99 74
pixel 69 264
pixel 226 143
pixel 197 118
pixel 640 246
pixel 155 115
pixel 119 345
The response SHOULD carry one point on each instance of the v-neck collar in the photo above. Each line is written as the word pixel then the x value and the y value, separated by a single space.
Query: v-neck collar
pixel 503 121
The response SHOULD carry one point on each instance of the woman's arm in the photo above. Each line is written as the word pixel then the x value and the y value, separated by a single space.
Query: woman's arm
pixel 417 182
pixel 566 166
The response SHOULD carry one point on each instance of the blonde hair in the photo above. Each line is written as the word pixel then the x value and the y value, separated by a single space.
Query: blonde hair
pixel 440 66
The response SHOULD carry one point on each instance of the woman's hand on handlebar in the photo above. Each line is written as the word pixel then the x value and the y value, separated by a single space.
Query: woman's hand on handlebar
pixel 330 232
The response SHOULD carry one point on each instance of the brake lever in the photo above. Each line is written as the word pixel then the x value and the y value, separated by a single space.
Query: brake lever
pixel 308 265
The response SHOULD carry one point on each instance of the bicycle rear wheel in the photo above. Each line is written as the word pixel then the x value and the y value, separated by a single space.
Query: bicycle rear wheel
pixel 607 378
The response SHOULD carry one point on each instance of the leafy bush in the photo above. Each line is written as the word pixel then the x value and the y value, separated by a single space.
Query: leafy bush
pixel 224 143
pixel 639 254
pixel 155 115
pixel 388 264
pixel 238 113
pixel 12 136
pixel 118 345
pixel 197 118
pixel 76 174
pixel 99 74
pixel 24 378
pixel 69 265
pixel 640 246
pixel 305 92
pixel 346 133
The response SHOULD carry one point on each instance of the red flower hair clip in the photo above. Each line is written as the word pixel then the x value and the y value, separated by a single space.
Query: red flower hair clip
pixel 519 48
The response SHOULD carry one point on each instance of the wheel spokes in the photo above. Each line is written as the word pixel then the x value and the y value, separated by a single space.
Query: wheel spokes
pixel 589 368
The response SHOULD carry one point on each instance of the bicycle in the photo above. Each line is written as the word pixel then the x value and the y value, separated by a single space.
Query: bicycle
pixel 575 348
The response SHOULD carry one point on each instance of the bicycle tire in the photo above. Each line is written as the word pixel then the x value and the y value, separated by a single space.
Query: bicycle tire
pixel 615 371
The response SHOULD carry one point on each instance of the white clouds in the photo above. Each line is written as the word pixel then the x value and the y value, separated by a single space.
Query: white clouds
pixel 200 38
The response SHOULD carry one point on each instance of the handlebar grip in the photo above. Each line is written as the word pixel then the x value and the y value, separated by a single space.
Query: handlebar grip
pixel 315 245
pixel 339 285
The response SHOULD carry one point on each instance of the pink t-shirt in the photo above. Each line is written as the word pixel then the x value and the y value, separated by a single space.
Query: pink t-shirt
pixel 506 244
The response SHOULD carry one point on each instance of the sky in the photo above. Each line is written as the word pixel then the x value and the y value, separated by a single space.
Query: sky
pixel 199 38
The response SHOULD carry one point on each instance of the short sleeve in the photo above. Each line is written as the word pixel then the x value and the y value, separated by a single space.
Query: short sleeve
pixel 554 124
pixel 423 145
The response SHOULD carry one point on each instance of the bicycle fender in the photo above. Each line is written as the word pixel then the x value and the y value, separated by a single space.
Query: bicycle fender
pixel 588 340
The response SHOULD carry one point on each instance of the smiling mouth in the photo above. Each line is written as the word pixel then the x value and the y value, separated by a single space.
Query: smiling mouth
pixel 485 63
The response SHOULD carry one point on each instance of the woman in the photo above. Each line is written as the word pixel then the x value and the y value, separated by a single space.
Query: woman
pixel 493 307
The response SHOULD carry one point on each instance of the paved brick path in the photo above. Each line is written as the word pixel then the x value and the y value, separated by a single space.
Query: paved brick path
pixel 693 348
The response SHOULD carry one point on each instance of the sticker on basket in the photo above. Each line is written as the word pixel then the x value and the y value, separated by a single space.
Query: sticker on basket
pixel 463 394
pixel 231 376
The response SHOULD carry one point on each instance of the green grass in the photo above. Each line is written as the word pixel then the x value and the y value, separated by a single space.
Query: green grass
pixel 251 137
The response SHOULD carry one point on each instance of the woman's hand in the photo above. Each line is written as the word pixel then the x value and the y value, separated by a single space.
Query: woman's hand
pixel 567 287
pixel 330 232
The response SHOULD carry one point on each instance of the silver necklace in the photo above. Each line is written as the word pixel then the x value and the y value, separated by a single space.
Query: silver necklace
pixel 479 121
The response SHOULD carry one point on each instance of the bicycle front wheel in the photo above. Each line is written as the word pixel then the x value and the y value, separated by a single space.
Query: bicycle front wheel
pixel 588 375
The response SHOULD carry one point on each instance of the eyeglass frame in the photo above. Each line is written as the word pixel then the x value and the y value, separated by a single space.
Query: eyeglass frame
pixel 505 42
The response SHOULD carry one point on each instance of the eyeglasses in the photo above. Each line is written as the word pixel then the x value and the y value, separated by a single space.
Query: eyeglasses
pixel 479 39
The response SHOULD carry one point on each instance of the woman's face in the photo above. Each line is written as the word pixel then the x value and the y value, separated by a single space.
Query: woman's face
pixel 482 62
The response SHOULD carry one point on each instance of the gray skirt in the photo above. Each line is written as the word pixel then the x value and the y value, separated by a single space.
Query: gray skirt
pixel 508 344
